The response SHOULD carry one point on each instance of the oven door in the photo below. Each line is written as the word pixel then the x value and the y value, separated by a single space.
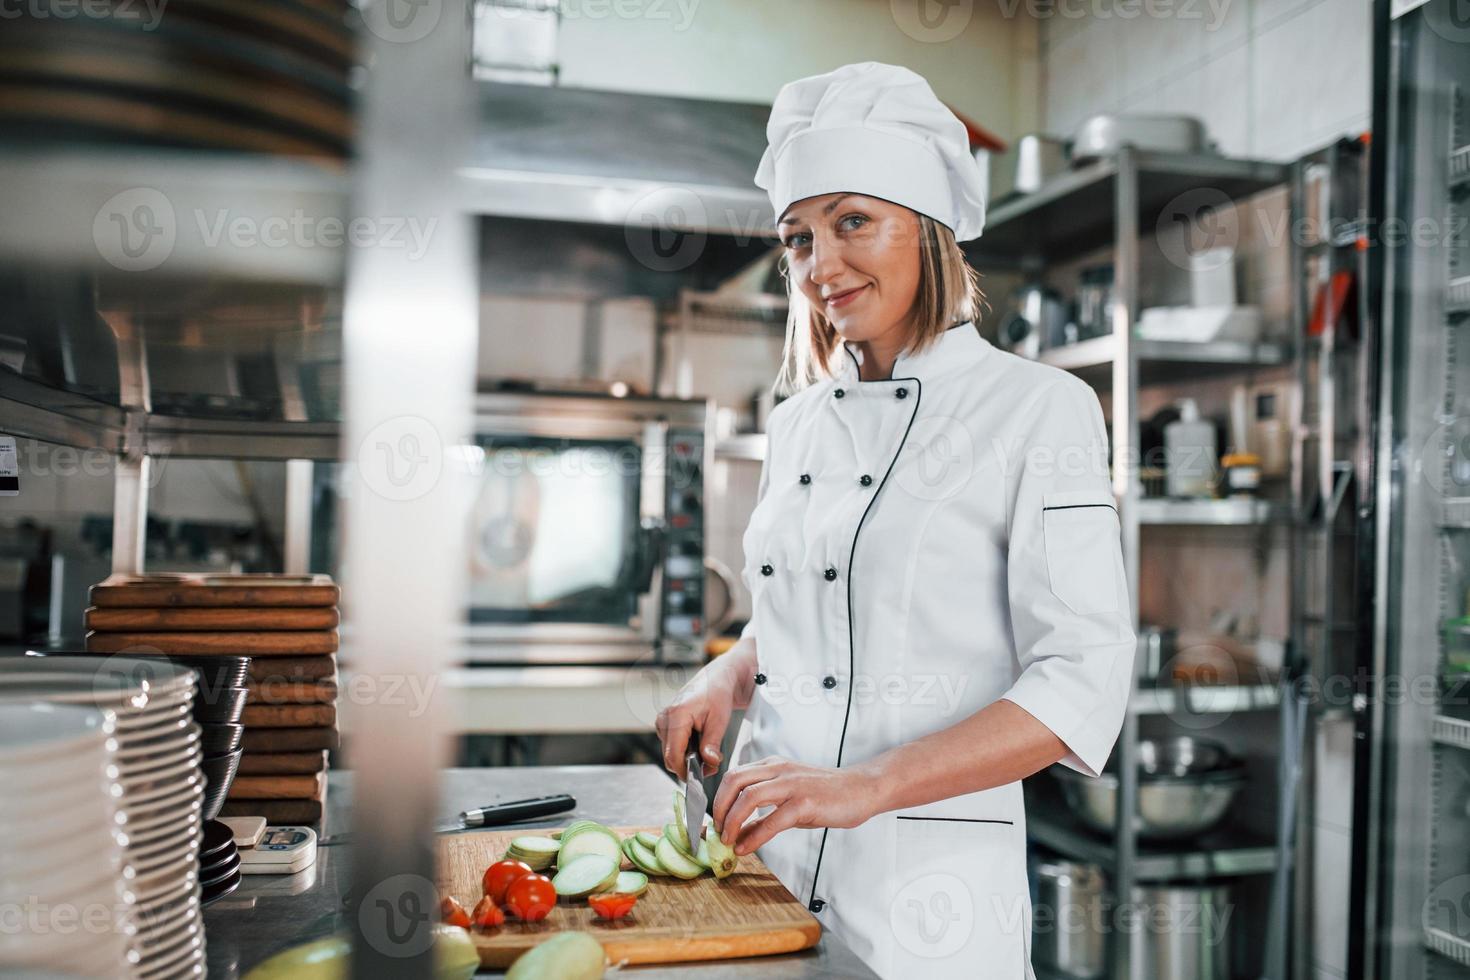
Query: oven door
pixel 565 544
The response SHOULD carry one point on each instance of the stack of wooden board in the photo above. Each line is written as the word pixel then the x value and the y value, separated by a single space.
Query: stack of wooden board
pixel 287 625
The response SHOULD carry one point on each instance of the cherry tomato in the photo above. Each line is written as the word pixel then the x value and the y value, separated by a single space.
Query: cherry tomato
pixel 453 913
pixel 499 876
pixel 612 905
pixel 487 914
pixel 530 897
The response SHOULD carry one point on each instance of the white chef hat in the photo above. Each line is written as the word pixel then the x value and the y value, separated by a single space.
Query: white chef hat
pixel 873 129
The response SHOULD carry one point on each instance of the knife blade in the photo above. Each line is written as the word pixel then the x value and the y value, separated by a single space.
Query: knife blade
pixel 695 800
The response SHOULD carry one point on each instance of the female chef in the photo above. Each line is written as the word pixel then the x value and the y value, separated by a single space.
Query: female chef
pixel 939 601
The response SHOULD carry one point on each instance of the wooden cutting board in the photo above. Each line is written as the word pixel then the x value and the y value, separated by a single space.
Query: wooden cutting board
pixel 286 669
pixel 281 764
pixel 271 740
pixel 292 692
pixel 289 716
pixel 164 590
pixel 120 620
pixel 749 913
pixel 306 787
pixel 279 643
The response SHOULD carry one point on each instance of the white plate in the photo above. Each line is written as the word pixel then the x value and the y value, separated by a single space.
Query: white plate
pixel 165 771
pixel 166 960
pixel 177 926
pixel 64 885
pixel 36 733
pixel 130 724
pixel 135 800
pixel 175 820
pixel 109 680
pixel 36 855
pixel 162 882
pixel 182 732
pixel 147 856
pixel 40 804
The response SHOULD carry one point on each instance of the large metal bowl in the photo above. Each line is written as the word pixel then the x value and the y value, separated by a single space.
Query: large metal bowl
pixel 1185 787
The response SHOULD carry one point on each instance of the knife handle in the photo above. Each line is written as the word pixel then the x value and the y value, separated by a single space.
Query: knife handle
pixel 499 813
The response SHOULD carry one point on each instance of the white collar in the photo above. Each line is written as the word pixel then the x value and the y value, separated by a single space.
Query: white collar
pixel 957 347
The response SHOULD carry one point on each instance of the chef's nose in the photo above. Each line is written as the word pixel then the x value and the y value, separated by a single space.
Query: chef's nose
pixel 827 264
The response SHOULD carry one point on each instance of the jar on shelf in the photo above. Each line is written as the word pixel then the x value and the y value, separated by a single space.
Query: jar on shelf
pixel 1240 475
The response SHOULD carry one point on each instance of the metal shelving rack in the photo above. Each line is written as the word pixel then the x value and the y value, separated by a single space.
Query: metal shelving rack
pixel 1113 200
pixel 1413 862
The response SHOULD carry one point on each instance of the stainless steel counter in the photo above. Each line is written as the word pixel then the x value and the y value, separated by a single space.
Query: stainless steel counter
pixel 269 913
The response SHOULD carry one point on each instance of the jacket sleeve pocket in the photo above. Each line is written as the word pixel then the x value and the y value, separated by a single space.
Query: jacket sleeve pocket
pixel 1082 544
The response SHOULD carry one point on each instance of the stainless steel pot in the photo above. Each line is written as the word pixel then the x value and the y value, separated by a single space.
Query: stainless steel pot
pixel 1069 934
pixel 1182 932
pixel 1185 786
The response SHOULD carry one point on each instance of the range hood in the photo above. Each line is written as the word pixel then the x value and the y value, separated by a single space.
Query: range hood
pixel 616 158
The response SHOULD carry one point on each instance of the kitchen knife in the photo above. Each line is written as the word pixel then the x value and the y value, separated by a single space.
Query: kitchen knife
pixel 694 799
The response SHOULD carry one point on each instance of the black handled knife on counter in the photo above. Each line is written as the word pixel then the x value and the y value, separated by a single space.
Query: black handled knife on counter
pixel 490 815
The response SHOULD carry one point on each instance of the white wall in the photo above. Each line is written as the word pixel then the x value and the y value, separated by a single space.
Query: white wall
pixel 1271 79
pixel 976 58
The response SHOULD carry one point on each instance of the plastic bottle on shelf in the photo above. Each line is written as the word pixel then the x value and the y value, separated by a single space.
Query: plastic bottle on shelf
pixel 1189 453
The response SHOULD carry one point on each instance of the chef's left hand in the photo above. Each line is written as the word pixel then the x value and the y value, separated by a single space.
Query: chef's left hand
pixel 803 796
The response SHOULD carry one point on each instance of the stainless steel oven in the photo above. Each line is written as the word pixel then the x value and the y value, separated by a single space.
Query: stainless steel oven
pixel 586 541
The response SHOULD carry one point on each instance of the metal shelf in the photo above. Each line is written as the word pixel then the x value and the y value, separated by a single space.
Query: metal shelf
pixel 1457 296
pixel 1229 512
pixel 64 208
pixel 1460 167
pixel 1074 213
pixel 1451 731
pixel 1162 361
pixel 1219 853
pixel 749 446
pixel 1205 700
pixel 1447 945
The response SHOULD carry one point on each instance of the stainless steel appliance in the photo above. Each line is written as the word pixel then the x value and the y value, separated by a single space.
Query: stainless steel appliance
pixel 1184 933
pixel 1039 158
pixel 587 530
pixel 1069 914
pixel 1103 134
pixel 1411 878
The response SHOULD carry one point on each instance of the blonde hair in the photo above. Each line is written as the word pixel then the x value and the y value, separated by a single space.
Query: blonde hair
pixel 948 293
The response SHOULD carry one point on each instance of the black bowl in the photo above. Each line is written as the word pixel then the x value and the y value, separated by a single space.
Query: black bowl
pixel 217 672
pixel 224 707
pixel 218 891
pixel 221 739
pixel 219 770
pixel 218 843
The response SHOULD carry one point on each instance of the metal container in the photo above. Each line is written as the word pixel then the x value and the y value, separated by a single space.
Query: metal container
pixel 1182 932
pixel 1038 159
pixel 1185 787
pixel 1102 135
pixel 1069 915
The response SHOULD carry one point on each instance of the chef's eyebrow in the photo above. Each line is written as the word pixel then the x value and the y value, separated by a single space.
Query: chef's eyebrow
pixel 827 210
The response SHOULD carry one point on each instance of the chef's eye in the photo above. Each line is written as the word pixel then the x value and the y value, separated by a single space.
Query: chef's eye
pixel 798 240
pixel 852 222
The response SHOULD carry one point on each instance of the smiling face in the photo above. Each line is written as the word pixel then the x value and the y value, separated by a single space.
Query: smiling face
pixel 856 259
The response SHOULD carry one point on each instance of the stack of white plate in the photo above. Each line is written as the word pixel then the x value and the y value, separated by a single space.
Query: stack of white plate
pixel 61 844
pixel 161 792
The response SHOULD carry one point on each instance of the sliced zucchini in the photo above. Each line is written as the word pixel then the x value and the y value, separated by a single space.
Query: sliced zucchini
pixel 647 839
pixel 644 859
pixel 676 861
pixel 585 875
pixel 679 837
pixel 564 956
pixel 631 883
pixel 590 841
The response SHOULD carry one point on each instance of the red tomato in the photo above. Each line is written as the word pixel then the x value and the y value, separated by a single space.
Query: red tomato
pixel 612 905
pixel 487 914
pixel 499 876
pixel 453 913
pixel 530 897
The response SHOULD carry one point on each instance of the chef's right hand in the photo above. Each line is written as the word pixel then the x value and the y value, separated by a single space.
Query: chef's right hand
pixel 702 706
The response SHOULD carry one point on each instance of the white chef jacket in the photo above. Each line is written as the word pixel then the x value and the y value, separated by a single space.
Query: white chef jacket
pixel 922 546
